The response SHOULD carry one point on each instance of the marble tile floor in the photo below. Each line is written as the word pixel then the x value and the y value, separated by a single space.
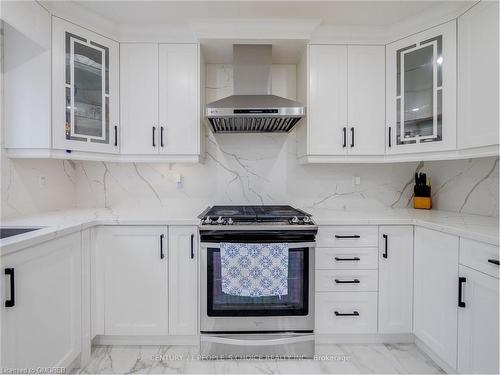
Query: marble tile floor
pixel 330 359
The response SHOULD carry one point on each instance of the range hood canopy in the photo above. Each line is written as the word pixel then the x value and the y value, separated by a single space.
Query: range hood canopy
pixel 252 108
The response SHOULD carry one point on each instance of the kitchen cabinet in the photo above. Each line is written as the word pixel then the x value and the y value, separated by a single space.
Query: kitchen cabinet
pixel 478 325
pixel 345 100
pixel 183 280
pixel 421 91
pixel 395 293
pixel 478 95
pixel 85 89
pixel 435 289
pixel 135 279
pixel 42 324
pixel 160 105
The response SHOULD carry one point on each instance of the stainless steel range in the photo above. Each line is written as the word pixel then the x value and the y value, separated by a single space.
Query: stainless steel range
pixel 235 326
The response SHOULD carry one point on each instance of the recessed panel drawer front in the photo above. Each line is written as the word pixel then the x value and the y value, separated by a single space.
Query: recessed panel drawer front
pixel 346 281
pixel 480 256
pixel 346 313
pixel 347 236
pixel 336 258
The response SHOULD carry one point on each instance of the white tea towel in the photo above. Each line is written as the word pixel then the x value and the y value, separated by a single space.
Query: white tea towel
pixel 254 270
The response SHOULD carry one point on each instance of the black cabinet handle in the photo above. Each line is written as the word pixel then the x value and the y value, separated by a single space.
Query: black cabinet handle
pixel 494 261
pixel 116 135
pixel 352 137
pixel 154 135
pixel 11 302
pixel 161 136
pixel 390 136
pixel 353 281
pixel 347 236
pixel 461 280
pixel 344 130
pixel 354 313
pixel 161 246
pixel 355 259
pixel 384 254
pixel 192 246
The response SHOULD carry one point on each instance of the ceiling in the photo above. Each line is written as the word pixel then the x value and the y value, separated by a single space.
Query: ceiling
pixel 367 13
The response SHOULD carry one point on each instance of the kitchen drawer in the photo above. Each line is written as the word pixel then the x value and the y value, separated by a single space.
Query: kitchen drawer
pixel 350 258
pixel 347 236
pixel 331 305
pixel 479 256
pixel 346 280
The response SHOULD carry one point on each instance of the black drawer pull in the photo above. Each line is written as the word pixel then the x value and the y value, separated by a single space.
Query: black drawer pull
pixel 161 136
pixel 116 135
pixel 353 281
pixel 384 254
pixel 355 259
pixel 390 137
pixel 154 132
pixel 354 313
pixel 162 255
pixel 352 137
pixel 11 302
pixel 347 236
pixel 494 261
pixel 192 246
pixel 461 280
pixel 344 130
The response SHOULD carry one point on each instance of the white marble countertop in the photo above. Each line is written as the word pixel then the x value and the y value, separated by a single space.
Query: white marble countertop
pixel 59 223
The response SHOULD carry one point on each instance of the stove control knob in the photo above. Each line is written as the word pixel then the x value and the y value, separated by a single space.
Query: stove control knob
pixel 207 221
pixel 295 220
pixel 230 221
pixel 306 219
pixel 220 221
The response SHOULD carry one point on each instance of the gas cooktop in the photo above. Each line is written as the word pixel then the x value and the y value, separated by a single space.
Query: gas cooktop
pixel 241 215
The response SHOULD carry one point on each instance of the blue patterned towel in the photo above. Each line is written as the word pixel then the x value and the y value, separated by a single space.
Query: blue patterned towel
pixel 254 270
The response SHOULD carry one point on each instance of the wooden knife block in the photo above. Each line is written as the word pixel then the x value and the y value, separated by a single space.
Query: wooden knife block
pixel 424 203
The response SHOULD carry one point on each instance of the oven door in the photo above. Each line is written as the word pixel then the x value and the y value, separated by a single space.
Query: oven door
pixel 225 313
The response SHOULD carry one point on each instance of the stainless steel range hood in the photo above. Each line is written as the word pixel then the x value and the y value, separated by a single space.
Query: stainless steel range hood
pixel 252 108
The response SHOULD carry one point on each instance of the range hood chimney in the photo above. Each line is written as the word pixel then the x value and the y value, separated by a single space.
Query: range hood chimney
pixel 252 108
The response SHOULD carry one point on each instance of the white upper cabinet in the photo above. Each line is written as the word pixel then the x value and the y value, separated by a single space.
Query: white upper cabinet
pixel 179 99
pixel 139 98
pixel 346 100
pixel 421 91
pixel 85 94
pixel 478 97
pixel 160 105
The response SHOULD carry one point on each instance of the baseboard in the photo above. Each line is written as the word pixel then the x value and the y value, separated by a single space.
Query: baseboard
pixel 146 340
pixel 444 366
pixel 375 338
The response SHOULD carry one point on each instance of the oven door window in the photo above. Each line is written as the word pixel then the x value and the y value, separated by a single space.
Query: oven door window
pixel 294 303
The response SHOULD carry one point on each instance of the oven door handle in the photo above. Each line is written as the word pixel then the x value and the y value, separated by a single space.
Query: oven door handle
pixel 291 245
pixel 256 342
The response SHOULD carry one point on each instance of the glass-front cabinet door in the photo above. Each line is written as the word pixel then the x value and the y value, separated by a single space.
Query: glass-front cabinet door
pixel 421 91
pixel 85 90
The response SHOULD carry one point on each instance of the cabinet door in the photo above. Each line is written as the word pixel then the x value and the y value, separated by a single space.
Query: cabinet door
pixel 395 279
pixel 327 110
pixel 366 99
pixel 436 288
pixel 43 328
pixel 85 105
pixel 183 280
pixel 478 323
pixel 139 98
pixel 478 76
pixel 135 280
pixel 179 90
pixel 421 91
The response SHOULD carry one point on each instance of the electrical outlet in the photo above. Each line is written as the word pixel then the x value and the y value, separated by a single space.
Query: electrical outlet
pixel 178 180
pixel 42 181
pixel 356 180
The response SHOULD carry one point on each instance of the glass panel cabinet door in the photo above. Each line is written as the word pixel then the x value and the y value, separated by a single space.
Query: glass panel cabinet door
pixel 421 90
pixel 88 65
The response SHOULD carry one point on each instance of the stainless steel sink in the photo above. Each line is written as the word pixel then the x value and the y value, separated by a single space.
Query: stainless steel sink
pixel 8 232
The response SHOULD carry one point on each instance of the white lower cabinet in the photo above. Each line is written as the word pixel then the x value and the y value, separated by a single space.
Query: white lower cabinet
pixel 135 279
pixel 436 288
pixel 42 327
pixel 478 323
pixel 395 293
pixel 183 280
